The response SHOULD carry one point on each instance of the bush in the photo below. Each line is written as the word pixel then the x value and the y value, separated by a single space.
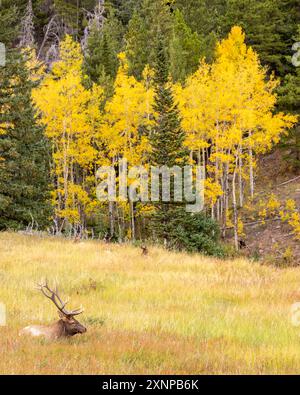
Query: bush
pixel 194 233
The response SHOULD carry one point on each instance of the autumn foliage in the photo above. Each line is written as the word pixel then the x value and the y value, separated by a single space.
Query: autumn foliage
pixel 228 115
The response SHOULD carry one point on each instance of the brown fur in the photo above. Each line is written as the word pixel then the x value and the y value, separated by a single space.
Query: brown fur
pixel 65 327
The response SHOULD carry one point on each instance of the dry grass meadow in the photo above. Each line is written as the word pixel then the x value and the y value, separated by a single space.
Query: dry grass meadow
pixel 162 314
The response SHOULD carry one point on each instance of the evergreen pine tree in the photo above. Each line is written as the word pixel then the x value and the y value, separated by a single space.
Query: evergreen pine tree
pixel 264 25
pixel 101 61
pixel 24 153
pixel 125 9
pixel 153 18
pixel 185 49
pixel 171 224
pixel 167 139
pixel 289 100
pixel 136 48
pixel 8 25
pixel 182 44
pixel 205 17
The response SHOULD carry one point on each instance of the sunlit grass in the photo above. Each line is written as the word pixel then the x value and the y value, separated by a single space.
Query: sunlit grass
pixel 165 313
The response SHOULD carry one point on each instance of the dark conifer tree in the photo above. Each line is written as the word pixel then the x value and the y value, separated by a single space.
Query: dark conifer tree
pixel 24 152
pixel 101 61
pixel 153 18
pixel 168 137
pixel 167 141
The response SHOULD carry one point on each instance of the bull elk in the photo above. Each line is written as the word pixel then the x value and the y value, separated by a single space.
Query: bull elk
pixel 67 325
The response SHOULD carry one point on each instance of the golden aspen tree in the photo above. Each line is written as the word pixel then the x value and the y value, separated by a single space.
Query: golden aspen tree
pixel 71 117
pixel 36 67
pixel 228 109
pixel 126 115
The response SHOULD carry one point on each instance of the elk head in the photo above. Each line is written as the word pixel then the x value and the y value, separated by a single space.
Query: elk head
pixel 67 325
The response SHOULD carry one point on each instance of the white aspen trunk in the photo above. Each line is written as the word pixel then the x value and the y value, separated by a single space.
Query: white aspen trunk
pixel 223 203
pixel 111 218
pixel 235 213
pixel 222 199
pixel 218 210
pixel 226 201
pixel 241 184
pixel 119 223
pixel 251 173
pixel 132 221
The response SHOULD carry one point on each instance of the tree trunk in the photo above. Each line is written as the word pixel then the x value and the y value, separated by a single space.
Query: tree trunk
pixel 251 173
pixel 235 212
pixel 132 221
pixel 111 218
pixel 225 204
pixel 241 183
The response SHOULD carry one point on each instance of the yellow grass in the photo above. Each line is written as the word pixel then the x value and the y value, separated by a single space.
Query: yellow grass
pixel 166 313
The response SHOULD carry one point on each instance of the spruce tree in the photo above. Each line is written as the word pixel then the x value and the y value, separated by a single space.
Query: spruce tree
pixel 24 153
pixel 153 18
pixel 182 44
pixel 101 61
pixel 185 49
pixel 264 25
pixel 167 137
pixel 125 9
pixel 8 17
pixel 205 17
pixel 137 50
pixel 171 223
pixel 289 100
pixel 167 141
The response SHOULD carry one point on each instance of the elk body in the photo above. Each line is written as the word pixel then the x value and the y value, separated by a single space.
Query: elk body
pixel 145 250
pixel 67 325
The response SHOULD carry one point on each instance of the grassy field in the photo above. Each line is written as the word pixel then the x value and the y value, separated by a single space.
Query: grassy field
pixel 165 313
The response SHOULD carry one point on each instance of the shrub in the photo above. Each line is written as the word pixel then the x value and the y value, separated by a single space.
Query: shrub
pixel 194 233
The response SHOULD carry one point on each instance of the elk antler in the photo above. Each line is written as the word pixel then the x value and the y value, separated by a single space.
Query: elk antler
pixel 54 296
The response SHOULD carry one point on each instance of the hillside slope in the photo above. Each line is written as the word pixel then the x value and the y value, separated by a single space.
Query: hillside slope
pixel 273 240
